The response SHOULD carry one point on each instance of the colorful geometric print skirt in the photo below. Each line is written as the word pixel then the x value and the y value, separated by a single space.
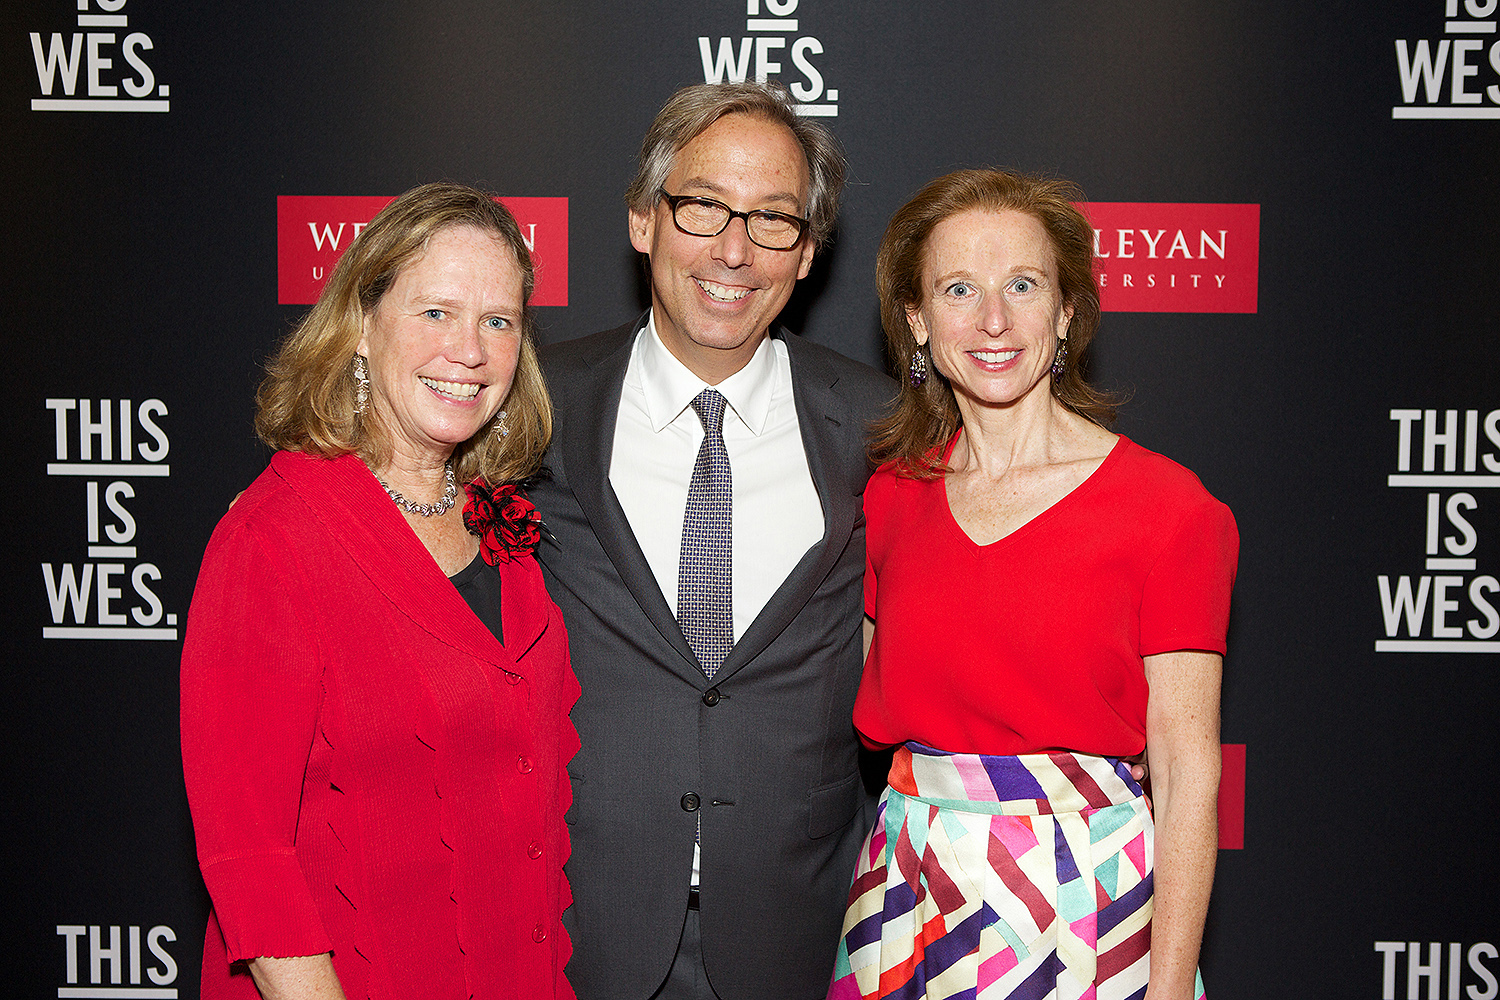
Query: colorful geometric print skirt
pixel 1022 877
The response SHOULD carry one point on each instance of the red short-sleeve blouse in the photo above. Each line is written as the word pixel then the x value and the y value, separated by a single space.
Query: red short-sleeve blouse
pixel 1035 642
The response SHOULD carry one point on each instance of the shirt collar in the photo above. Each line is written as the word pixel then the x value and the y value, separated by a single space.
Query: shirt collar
pixel 670 387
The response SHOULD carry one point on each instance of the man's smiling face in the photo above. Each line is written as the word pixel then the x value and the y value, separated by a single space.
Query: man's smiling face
pixel 714 298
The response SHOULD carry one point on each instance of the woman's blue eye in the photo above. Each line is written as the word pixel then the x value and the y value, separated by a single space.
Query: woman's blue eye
pixel 497 322
pixel 960 288
pixel 434 314
pixel 1023 285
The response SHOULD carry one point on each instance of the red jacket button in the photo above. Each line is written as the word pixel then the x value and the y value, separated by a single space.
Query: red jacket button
pixel 523 764
pixel 539 934
pixel 534 850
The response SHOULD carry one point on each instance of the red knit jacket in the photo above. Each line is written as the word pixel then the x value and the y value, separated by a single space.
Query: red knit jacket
pixel 370 772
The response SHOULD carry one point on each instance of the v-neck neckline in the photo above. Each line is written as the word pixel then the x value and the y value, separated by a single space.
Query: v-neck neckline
pixel 1066 500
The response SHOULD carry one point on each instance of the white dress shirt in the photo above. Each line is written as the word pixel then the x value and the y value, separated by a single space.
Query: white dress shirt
pixel 777 513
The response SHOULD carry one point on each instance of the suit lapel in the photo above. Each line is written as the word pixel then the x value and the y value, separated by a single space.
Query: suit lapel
pixel 588 440
pixel 821 414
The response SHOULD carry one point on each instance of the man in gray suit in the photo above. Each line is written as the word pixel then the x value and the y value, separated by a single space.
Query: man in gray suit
pixel 707 548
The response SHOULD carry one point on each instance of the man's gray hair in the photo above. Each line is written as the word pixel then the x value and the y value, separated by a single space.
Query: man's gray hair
pixel 693 109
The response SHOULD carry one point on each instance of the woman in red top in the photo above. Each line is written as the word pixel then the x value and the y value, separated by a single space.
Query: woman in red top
pixel 375 684
pixel 1044 598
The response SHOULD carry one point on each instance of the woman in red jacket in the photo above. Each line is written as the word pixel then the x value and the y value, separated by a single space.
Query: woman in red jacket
pixel 375 684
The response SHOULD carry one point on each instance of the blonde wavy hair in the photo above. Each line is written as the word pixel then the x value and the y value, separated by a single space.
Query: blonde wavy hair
pixel 307 400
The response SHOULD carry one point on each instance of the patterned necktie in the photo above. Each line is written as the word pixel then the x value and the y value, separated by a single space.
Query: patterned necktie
pixel 704 581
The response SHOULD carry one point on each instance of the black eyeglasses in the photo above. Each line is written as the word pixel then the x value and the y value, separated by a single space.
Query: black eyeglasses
pixel 706 217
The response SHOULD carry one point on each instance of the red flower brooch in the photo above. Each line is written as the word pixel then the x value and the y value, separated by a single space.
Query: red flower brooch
pixel 506 522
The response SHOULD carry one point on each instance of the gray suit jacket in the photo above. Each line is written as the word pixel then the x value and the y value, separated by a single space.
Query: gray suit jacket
pixel 766 754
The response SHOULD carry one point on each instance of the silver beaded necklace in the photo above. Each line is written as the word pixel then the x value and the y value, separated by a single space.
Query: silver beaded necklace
pixel 440 506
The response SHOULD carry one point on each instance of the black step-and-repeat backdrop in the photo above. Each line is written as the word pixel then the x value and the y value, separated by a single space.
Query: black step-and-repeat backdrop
pixel 1297 205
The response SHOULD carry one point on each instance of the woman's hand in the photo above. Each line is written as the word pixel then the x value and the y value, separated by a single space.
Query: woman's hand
pixel 1182 740
pixel 306 977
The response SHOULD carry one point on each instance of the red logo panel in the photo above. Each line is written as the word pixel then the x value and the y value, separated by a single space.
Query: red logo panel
pixel 1232 797
pixel 1163 257
pixel 312 231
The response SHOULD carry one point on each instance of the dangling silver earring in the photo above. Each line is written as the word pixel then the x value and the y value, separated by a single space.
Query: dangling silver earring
pixel 1060 359
pixel 916 372
pixel 501 426
pixel 361 385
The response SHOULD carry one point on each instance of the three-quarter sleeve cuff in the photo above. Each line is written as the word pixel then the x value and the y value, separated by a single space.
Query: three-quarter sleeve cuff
pixel 264 907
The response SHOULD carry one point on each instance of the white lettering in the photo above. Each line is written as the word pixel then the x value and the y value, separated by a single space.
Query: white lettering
pixel 1431 439
pixel 88 429
pixel 813 89
pixel 1420 68
pixel 1220 279
pixel 1416 970
pixel 1403 604
pixel 726 66
pixel 1433 506
pixel 1389 950
pixel 1180 241
pixel 72 932
pixel 147 409
pixel 327 234
pixel 138 578
pixel 1492 91
pixel 1462 69
pixel 133 43
pixel 764 67
pixel 91 497
pixel 98 955
pixel 1204 240
pixel 57 58
pixel 60 408
pixel 1478 587
pixel 126 531
pixel 97 63
pixel 104 594
pixel 68 589
pixel 1471 439
pixel 125 425
pixel 168 973
pixel 1492 431
pixel 1403 438
pixel 1152 243
pixel 1125 243
pixel 1491 987
pixel 1440 608
pixel 1465 545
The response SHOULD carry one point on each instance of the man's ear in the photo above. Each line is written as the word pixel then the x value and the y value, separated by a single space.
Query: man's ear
pixel 643 229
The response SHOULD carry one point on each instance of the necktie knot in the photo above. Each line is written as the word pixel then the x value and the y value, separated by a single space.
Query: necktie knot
pixel 709 405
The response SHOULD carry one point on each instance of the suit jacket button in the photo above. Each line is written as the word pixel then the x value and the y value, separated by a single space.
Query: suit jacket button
pixel 539 934
pixel 711 697
pixel 690 802
pixel 523 764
